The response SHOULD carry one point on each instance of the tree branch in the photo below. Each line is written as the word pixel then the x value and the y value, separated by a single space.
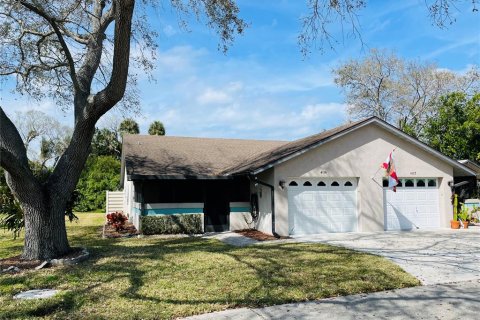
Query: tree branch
pixel 13 155
pixel 115 89
pixel 52 21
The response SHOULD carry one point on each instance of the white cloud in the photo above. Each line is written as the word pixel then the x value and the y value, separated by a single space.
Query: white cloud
pixel 213 96
pixel 169 31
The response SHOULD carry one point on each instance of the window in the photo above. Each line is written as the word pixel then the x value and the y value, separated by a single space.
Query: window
pixel 420 183
pixel 400 183
pixel 321 184
pixel 307 184
pixel 432 182
pixel 409 183
pixel 335 184
pixel 293 184
pixel 348 184
pixel 385 183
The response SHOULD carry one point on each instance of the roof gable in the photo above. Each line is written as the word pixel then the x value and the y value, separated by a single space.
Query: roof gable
pixel 293 149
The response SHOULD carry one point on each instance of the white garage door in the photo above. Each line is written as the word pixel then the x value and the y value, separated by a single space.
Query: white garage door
pixel 322 205
pixel 415 205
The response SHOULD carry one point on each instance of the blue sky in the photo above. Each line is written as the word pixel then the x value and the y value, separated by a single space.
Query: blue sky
pixel 263 88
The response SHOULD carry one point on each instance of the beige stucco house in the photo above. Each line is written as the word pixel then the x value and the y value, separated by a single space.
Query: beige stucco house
pixel 329 182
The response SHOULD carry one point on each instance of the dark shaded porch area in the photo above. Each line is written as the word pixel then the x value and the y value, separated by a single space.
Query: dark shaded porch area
pixel 215 194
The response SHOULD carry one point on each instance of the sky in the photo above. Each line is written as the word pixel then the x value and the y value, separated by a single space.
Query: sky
pixel 263 88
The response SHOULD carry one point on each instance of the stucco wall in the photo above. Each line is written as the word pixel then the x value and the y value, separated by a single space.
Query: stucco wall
pixel 264 222
pixel 360 154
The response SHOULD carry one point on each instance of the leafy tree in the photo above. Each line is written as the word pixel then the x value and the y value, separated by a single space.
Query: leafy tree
pixel 156 128
pixel 11 215
pixel 129 126
pixel 76 52
pixel 105 143
pixel 455 129
pixel 398 91
pixel 100 174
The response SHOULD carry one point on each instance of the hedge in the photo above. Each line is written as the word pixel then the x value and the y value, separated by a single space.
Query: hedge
pixel 172 224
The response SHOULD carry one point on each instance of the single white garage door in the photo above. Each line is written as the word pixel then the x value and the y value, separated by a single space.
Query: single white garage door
pixel 415 205
pixel 322 205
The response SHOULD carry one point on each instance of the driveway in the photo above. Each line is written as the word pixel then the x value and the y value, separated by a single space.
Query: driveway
pixel 434 257
pixel 441 301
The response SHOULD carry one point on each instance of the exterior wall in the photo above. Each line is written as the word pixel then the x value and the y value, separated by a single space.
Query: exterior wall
pixel 264 222
pixel 240 216
pixel 360 155
pixel 128 196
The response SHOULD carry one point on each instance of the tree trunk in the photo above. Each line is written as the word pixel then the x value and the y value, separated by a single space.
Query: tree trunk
pixel 45 232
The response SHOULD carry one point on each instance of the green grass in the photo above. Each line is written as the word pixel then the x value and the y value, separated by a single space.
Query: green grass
pixel 153 278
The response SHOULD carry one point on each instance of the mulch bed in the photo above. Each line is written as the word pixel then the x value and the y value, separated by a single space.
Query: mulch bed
pixel 129 230
pixel 258 235
pixel 23 265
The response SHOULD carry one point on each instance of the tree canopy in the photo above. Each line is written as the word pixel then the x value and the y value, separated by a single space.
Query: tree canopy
pixel 455 129
pixel 402 92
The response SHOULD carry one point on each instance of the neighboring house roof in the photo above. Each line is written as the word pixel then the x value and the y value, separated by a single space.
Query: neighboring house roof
pixel 295 148
pixel 175 157
pixel 472 165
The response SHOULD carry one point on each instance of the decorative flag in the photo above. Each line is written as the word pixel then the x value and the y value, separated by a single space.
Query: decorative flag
pixel 391 173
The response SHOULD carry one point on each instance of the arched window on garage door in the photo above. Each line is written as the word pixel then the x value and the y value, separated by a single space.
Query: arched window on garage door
pixel 321 184
pixel 348 184
pixel 293 184
pixel 335 184
pixel 307 184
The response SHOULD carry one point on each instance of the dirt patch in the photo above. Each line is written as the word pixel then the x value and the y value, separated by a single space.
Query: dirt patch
pixel 258 235
pixel 17 264
pixel 129 230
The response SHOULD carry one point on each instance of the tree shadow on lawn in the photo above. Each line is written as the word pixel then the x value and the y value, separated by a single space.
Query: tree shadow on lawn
pixel 197 271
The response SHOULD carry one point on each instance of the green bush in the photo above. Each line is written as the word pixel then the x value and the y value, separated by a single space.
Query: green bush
pixel 172 224
pixel 100 174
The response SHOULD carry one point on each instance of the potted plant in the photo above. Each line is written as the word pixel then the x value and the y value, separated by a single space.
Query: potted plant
pixel 455 224
pixel 464 216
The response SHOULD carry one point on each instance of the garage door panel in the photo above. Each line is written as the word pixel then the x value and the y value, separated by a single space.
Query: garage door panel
pixel 334 207
pixel 411 208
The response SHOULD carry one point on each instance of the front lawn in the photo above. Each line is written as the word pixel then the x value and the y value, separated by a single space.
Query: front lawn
pixel 153 278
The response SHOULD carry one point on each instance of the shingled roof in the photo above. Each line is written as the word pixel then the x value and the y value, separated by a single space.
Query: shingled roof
pixel 166 156
pixel 271 156
pixel 176 157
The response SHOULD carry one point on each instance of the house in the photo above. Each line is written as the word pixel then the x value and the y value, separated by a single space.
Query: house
pixel 328 182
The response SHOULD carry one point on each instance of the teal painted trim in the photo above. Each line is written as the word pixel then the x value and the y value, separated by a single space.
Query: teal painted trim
pixel 240 209
pixel 167 211
pixel 137 211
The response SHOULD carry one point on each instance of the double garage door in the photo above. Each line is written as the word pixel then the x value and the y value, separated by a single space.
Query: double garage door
pixel 322 205
pixel 330 205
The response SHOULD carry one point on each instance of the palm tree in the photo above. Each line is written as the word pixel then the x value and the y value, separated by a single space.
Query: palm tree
pixel 156 128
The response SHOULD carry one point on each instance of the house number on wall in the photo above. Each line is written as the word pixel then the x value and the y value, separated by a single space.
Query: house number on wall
pixel 323 172
pixel 413 173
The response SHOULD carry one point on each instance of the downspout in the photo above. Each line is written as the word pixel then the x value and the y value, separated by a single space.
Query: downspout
pixel 272 198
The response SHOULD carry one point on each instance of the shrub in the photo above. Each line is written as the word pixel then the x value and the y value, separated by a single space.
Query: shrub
pixel 100 174
pixel 172 224
pixel 117 220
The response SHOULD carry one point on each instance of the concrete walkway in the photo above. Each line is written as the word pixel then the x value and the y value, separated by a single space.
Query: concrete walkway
pixel 434 257
pixel 231 238
pixel 443 301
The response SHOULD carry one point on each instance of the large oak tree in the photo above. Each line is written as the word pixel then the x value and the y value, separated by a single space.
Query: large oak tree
pixel 78 53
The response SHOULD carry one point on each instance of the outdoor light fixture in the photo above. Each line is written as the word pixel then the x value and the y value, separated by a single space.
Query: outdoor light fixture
pixel 281 183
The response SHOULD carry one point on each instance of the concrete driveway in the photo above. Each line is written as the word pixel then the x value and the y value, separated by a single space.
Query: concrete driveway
pixel 441 301
pixel 434 257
